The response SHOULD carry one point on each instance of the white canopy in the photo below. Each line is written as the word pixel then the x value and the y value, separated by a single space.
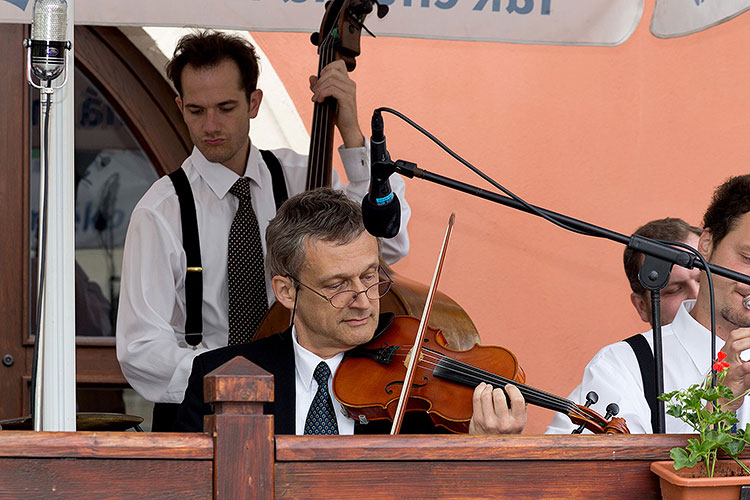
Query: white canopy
pixel 560 22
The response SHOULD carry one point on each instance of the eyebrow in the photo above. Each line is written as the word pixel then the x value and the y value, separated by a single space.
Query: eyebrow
pixel 347 277
pixel 222 103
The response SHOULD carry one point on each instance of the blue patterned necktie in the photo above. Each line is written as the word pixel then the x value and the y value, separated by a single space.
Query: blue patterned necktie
pixel 321 418
pixel 246 278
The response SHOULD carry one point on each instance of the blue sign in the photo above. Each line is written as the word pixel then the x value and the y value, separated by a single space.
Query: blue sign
pixel 21 4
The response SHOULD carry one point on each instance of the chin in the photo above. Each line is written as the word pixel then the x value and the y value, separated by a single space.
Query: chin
pixel 362 334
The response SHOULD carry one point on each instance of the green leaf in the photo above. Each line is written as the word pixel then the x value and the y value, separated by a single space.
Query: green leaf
pixel 734 447
pixel 681 458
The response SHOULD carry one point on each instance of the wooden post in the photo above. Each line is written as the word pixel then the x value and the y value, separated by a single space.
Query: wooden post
pixel 243 435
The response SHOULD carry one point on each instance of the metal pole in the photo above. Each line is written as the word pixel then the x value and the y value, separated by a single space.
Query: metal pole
pixel 58 372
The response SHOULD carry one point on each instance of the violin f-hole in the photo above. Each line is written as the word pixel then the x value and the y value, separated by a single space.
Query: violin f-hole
pixel 389 391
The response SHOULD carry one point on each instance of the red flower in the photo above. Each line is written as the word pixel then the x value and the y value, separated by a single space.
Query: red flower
pixel 720 365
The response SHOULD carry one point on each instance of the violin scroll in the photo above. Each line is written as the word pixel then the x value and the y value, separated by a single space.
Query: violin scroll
pixel 591 420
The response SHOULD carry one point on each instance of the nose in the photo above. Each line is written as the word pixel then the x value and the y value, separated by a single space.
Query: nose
pixel 211 123
pixel 361 301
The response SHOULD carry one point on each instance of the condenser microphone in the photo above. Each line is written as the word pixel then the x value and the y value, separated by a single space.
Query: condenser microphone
pixel 381 210
pixel 48 44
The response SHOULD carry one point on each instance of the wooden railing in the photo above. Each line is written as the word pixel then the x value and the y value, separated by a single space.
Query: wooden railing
pixel 239 458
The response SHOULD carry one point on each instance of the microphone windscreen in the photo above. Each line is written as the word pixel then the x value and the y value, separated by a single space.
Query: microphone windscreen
pixel 382 221
pixel 50 20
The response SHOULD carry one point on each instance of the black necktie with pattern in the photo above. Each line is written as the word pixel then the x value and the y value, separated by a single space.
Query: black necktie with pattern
pixel 246 279
pixel 321 418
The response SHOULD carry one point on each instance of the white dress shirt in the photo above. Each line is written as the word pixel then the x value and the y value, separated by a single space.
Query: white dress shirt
pixel 305 363
pixel 614 374
pixel 150 338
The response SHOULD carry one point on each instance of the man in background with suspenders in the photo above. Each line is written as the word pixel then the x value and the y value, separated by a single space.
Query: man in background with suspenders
pixel 192 274
pixel 682 286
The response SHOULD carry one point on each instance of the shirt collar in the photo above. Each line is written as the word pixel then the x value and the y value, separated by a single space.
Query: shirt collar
pixel 694 336
pixel 305 361
pixel 220 178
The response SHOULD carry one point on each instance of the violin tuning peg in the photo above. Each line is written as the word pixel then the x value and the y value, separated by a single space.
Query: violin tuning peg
pixel 315 38
pixel 612 410
pixel 591 398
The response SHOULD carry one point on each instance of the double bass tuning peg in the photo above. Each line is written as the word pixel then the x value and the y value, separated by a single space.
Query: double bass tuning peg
pixel 382 10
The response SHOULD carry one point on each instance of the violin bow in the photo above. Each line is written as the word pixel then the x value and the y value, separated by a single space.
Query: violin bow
pixel 416 350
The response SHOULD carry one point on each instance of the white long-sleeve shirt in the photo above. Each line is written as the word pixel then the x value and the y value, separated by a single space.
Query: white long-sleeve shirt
pixel 150 338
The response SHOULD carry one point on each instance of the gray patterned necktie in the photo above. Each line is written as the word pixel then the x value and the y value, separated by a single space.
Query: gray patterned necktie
pixel 246 277
pixel 321 418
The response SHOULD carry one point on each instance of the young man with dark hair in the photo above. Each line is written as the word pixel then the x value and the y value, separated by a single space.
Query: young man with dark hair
pixel 614 372
pixel 325 269
pixel 683 283
pixel 235 188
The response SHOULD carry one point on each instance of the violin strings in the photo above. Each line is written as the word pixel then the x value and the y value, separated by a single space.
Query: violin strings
pixel 533 395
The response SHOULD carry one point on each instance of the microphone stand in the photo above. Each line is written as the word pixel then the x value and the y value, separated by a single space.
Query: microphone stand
pixel 654 275
pixel 664 256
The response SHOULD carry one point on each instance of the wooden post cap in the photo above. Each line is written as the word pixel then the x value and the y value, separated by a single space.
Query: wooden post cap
pixel 238 380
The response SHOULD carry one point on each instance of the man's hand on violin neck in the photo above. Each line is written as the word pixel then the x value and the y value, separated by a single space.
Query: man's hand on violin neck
pixel 492 414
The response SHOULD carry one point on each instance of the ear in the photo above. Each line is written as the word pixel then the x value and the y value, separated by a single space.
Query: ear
pixel 255 98
pixel 284 290
pixel 178 100
pixel 641 306
pixel 706 243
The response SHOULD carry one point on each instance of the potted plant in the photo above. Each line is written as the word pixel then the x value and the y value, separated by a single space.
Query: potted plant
pixel 696 468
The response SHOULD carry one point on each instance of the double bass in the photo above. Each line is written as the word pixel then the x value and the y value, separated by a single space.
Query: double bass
pixel 339 38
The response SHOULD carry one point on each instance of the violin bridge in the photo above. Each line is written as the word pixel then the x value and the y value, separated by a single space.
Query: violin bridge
pixel 408 357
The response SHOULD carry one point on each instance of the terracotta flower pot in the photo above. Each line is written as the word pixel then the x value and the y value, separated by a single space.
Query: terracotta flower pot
pixel 691 484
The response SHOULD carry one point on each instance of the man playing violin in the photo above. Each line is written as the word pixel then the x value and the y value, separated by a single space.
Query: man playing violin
pixel 325 269
pixel 216 77
pixel 614 372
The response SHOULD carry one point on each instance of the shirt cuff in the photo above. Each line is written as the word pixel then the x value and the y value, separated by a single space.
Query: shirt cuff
pixel 356 162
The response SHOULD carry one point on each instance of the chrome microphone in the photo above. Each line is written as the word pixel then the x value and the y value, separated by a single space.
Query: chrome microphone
pixel 746 302
pixel 47 43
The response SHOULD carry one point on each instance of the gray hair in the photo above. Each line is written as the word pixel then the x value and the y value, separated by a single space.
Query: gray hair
pixel 321 214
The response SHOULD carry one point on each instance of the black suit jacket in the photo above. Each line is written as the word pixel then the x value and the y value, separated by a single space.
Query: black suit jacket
pixel 274 354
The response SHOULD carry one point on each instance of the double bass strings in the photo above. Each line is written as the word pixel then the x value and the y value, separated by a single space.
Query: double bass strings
pixel 321 117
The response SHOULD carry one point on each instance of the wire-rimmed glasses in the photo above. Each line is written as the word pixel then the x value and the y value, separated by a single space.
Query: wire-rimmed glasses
pixel 345 298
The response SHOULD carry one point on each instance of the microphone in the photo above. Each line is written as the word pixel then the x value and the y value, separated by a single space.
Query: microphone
pixel 381 210
pixel 48 43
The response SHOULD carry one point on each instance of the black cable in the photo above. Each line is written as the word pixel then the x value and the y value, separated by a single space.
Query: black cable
pixel 710 279
pixel 41 242
pixel 484 176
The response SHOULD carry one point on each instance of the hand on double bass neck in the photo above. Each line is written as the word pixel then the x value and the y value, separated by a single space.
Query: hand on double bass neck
pixel 334 82
pixel 492 414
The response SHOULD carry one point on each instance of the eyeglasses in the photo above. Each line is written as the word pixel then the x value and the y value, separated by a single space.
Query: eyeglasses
pixel 345 298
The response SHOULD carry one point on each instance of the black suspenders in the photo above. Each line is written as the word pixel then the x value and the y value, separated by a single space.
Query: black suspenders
pixel 645 357
pixel 277 177
pixel 191 243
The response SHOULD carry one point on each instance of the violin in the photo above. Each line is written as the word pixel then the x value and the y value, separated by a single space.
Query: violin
pixel 444 381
